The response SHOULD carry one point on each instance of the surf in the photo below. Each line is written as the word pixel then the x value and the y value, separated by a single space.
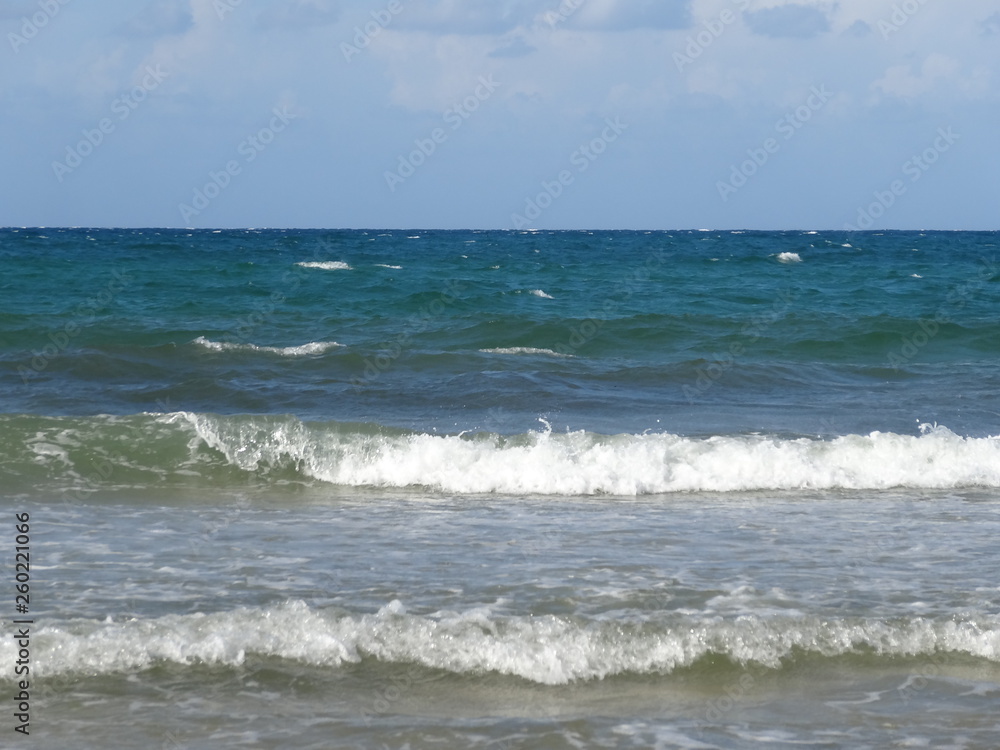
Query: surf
pixel 182 447
pixel 547 650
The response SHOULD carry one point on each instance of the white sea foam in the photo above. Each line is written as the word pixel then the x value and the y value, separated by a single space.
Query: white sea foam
pixel 524 350
pixel 542 294
pixel 789 258
pixel 327 265
pixel 386 265
pixel 544 649
pixel 313 347
pixel 582 463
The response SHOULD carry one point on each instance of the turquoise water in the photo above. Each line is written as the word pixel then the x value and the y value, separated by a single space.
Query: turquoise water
pixel 502 489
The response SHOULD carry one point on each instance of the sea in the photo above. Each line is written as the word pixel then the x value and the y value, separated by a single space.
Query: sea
pixel 416 490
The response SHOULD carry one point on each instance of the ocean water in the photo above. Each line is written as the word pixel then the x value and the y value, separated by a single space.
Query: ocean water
pixel 473 489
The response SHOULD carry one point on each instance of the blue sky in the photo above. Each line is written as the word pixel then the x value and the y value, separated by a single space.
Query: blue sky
pixel 761 114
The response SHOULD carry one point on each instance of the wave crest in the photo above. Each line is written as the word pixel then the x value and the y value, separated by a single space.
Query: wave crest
pixel 524 350
pixel 327 265
pixel 548 650
pixel 313 347
pixel 184 447
pixel 583 463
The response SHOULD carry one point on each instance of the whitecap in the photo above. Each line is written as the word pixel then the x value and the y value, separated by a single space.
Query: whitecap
pixel 545 649
pixel 313 347
pixel 524 350
pixel 327 265
pixel 585 463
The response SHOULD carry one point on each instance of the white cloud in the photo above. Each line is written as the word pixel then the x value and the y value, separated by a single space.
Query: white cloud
pixel 468 16
pixel 514 48
pixel 793 20
pixel 938 74
pixel 159 17
pixel 992 24
pixel 622 15
pixel 501 16
pixel 299 13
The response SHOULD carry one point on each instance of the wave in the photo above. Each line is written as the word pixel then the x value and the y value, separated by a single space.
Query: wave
pixel 185 446
pixel 540 293
pixel 789 258
pixel 548 650
pixel 524 350
pixel 387 265
pixel 313 347
pixel 781 335
pixel 327 265
pixel 583 463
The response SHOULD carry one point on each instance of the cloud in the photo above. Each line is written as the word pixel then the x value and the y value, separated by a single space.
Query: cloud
pixel 298 13
pixel 799 21
pixel 16 9
pixel 858 29
pixel 992 24
pixel 939 73
pixel 159 18
pixel 517 48
pixel 502 16
pixel 626 15
pixel 469 16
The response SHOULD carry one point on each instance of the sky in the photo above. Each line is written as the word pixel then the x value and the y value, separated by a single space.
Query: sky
pixel 509 114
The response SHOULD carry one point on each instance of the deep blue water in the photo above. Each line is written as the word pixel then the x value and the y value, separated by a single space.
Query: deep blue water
pixel 696 333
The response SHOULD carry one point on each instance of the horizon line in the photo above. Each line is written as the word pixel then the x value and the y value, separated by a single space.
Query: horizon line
pixel 473 229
